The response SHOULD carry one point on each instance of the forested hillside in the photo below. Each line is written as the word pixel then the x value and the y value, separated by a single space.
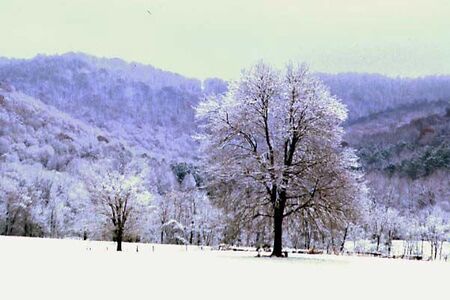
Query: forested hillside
pixel 368 94
pixel 42 153
pixel 406 154
pixel 149 108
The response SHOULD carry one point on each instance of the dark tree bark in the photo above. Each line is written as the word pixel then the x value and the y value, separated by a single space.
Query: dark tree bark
pixel 278 217
pixel 343 240
pixel 436 245
pixel 278 234
pixel 389 242
pixel 119 239
pixel 191 234
pixel 162 233
pixel 378 241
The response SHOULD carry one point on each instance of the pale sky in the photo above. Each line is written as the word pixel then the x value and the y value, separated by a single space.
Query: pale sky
pixel 203 38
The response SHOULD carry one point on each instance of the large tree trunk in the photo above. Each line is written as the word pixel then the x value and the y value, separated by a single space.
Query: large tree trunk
pixel 278 236
pixel 119 238
pixel 278 230
pixel 119 244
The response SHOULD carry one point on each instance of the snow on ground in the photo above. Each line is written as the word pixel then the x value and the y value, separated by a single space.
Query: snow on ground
pixel 72 269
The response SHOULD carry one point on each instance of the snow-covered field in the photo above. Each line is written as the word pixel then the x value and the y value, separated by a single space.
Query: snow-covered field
pixel 72 269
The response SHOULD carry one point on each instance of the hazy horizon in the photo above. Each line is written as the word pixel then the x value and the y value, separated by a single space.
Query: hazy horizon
pixel 199 38
pixel 193 77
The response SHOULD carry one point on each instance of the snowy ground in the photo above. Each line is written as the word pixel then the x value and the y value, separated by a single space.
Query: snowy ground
pixel 71 269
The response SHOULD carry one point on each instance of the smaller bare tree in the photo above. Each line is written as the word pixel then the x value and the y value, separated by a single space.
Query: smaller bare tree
pixel 120 199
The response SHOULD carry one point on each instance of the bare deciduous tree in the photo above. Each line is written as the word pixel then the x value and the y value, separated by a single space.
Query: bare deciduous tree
pixel 120 199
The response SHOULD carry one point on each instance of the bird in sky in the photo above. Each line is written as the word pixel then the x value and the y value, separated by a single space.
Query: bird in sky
pixel 149 12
